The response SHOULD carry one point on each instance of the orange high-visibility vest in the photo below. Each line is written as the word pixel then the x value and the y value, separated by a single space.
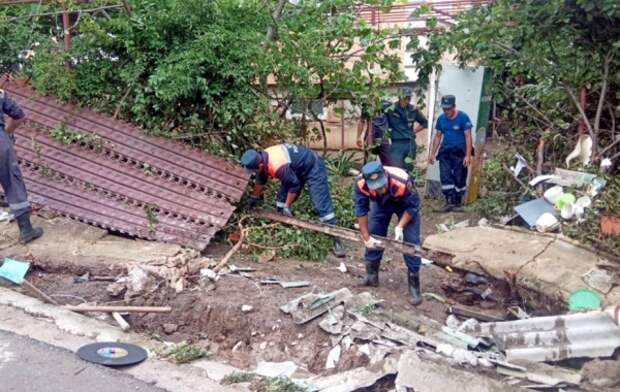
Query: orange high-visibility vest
pixel 277 156
pixel 397 182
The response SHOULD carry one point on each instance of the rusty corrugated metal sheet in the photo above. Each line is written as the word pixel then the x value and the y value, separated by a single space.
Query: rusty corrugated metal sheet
pixel 120 179
pixel 554 338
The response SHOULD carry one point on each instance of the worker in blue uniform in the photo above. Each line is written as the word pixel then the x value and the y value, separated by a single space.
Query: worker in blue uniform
pixel 402 117
pixel 294 166
pixel 453 139
pixel 380 192
pixel 10 174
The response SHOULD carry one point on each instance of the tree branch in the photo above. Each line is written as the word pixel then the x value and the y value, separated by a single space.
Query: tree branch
pixel 584 116
pixel 601 98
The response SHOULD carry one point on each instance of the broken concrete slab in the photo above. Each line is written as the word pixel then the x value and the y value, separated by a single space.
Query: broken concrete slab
pixel 426 376
pixel 80 240
pixel 276 369
pixel 602 373
pixel 362 377
pixel 543 262
pixel 542 373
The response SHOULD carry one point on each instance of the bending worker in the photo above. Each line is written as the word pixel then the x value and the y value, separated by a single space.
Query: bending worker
pixel 10 175
pixel 401 117
pixel 379 193
pixel 454 134
pixel 294 166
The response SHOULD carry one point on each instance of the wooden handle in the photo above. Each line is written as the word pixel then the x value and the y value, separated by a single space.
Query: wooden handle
pixel 120 309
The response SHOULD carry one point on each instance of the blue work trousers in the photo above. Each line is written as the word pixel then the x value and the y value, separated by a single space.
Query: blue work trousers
pixel 400 149
pixel 319 192
pixel 452 174
pixel 11 177
pixel 378 222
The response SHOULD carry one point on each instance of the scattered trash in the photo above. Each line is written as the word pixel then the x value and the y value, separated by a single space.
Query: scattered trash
pixel 276 369
pixel 474 279
pixel 533 209
pixel 541 373
pixel 5 216
pixel 310 306
pixel 333 357
pixel 582 150
pixel 285 285
pixel 547 222
pixel 584 298
pixel 518 312
pixel 332 323
pixel 563 199
pixel 554 338
pixel 234 269
pixel 452 322
pixel 606 163
pixel 552 194
pixel 209 273
pixel 519 165
pixel 469 324
pixel 460 224
pixel 342 268
pixel 571 178
pixel 540 179
pixel 600 279
pixel 424 261
pixel 82 279
pixel 436 297
pixel 483 222
pixel 246 308
pixel 120 320
pixel 13 270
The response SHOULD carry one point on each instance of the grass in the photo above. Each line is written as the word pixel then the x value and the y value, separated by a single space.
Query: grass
pixel 183 352
pixel 367 310
pixel 263 384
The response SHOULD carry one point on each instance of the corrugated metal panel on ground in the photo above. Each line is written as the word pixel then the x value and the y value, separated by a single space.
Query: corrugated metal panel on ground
pixel 118 178
pixel 590 335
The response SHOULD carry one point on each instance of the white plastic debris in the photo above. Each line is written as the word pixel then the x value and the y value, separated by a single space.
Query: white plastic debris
pixel 605 164
pixel 552 194
pixel 276 369
pixel 453 322
pixel 583 150
pixel 208 273
pixel 333 357
pixel 468 325
pixel 342 268
pixel 365 349
pixel 546 222
pixel 246 308
pixel 5 216
pixel 426 261
pixel 483 222
pixel 445 349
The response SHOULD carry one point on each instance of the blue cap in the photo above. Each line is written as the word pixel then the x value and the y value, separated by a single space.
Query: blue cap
pixel 250 160
pixel 374 175
pixel 448 101
pixel 405 92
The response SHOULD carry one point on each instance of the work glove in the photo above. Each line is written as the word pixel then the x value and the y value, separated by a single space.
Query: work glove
pixel 254 202
pixel 399 234
pixel 373 243
pixel 286 212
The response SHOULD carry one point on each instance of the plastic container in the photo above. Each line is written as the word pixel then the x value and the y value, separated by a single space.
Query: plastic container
pixel 553 193
pixel 584 298
pixel 563 199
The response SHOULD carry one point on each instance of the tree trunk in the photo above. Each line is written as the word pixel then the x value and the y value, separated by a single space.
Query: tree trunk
pixel 601 103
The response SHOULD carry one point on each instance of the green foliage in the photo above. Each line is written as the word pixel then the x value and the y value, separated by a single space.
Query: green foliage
pixel 238 377
pixel 183 352
pixel 341 163
pixel 295 242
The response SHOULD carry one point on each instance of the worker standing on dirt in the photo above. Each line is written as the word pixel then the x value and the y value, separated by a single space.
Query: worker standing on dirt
pixel 454 135
pixel 379 193
pixel 10 175
pixel 294 166
pixel 402 117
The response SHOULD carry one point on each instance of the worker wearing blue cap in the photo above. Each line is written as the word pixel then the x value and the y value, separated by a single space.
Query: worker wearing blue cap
pixel 454 142
pixel 401 119
pixel 380 192
pixel 294 166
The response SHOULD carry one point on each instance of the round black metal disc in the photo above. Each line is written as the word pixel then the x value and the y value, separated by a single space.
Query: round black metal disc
pixel 112 353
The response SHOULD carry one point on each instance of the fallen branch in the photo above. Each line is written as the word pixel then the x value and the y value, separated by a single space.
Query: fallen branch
pixel 507 169
pixel 235 248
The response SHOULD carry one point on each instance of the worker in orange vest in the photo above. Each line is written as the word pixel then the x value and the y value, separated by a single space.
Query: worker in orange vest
pixel 379 193
pixel 294 166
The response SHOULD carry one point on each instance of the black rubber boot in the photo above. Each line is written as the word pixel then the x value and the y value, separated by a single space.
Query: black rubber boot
pixel 372 274
pixel 27 233
pixel 415 295
pixel 338 250
pixel 457 203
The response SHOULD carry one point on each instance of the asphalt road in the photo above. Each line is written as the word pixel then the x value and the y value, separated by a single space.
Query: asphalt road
pixel 27 365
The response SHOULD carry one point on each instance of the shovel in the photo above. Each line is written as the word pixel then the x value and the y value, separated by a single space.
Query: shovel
pixel 15 271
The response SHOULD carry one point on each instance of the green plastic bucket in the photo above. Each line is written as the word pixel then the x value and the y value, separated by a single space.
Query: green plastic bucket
pixel 584 298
